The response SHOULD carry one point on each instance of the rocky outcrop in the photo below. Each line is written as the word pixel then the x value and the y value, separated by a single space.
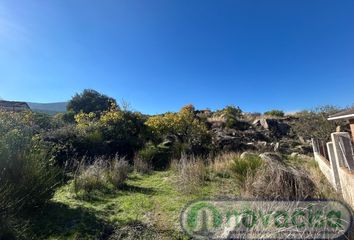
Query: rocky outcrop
pixel 236 140
pixel 263 134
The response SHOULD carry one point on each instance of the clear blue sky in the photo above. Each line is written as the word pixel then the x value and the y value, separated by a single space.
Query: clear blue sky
pixel 161 54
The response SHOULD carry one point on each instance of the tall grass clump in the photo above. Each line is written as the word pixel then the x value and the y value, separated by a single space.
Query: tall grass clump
pixel 310 167
pixel 276 180
pixel 221 165
pixel 91 177
pixel 246 167
pixel 191 173
pixel 141 166
pixel 102 173
pixel 118 171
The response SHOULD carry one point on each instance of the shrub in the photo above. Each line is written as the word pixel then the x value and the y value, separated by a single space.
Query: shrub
pixel 191 173
pixel 158 157
pixel 27 180
pixel 112 132
pixel 185 127
pixel 232 114
pixel 124 131
pixel 275 113
pixel 62 145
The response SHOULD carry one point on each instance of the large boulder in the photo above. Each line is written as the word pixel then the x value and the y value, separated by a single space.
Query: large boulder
pixel 277 127
pixel 227 141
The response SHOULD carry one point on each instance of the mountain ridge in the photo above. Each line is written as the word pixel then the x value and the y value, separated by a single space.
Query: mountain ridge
pixel 51 108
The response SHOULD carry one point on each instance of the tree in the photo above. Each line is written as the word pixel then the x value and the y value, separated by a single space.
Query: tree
pixel 314 123
pixel 90 101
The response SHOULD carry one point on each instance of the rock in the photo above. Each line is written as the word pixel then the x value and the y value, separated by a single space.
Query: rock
pixel 303 156
pixel 299 155
pixel 226 140
pixel 303 149
pixel 302 140
pixel 277 127
pixel 167 143
pixel 276 147
pixel 257 122
pixel 262 143
pixel 271 157
pixel 217 124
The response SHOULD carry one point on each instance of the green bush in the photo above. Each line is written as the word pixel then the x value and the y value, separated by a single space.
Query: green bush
pixel 246 167
pixel 275 113
pixel 158 157
pixel 113 132
pixel 185 127
pixel 233 115
pixel 27 180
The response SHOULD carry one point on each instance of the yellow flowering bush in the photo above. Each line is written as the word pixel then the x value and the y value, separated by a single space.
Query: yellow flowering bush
pixel 189 130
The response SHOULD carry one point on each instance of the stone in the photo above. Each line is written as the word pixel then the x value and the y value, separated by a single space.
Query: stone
pixel 270 157
pixel 277 127
pixel 276 147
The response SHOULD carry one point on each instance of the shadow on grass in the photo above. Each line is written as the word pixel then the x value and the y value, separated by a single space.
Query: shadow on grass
pixel 137 230
pixel 143 190
pixel 58 221
pixel 104 195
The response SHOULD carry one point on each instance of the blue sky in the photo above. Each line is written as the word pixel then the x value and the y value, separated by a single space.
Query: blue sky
pixel 161 54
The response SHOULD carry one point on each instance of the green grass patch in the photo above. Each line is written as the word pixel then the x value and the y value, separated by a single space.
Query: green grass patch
pixel 151 199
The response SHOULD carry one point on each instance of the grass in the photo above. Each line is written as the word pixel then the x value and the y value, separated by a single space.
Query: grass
pixel 146 207
pixel 151 199
pixel 310 166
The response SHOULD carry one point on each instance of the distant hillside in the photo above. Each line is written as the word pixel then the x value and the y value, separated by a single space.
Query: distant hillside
pixel 50 108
